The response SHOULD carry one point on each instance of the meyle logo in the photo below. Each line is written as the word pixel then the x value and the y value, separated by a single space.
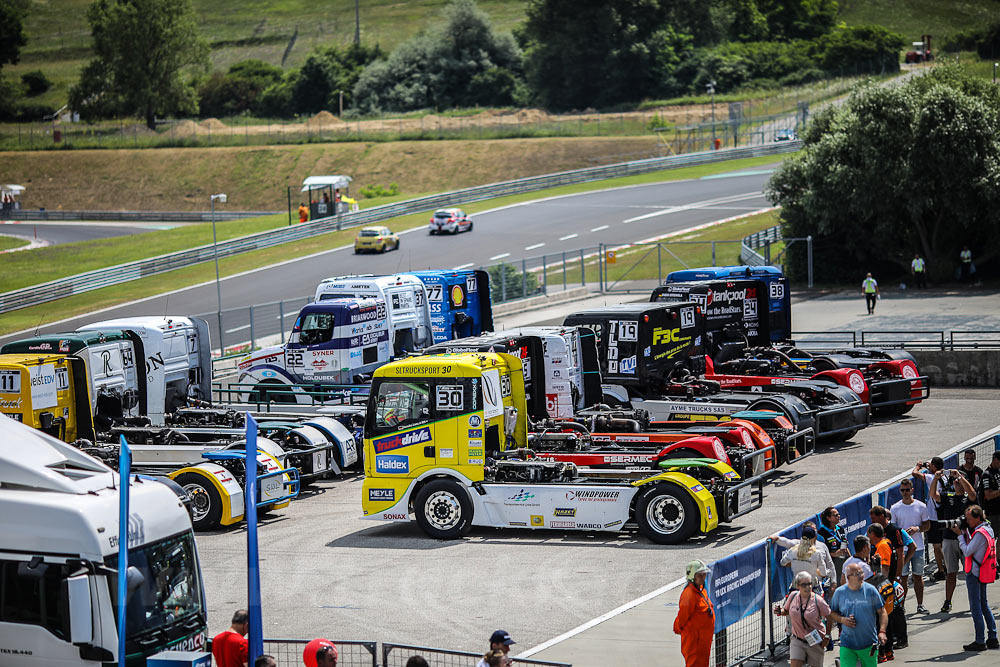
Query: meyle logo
pixel 392 464
pixel 381 495
pixel 402 440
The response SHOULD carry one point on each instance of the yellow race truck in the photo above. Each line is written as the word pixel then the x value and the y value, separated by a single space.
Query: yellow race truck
pixel 446 444
pixel 48 392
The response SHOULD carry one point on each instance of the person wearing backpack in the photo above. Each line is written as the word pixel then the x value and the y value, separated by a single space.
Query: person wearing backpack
pixel 979 547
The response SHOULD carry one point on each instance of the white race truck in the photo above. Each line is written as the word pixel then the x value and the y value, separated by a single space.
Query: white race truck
pixel 59 537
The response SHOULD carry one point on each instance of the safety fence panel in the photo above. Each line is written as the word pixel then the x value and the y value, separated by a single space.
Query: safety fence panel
pixel 640 267
pixel 737 587
pixel 350 653
pixel 396 655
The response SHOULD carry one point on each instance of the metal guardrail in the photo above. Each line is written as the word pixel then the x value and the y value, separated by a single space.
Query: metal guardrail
pixel 133 216
pixel 906 340
pixel 91 280
pixel 761 239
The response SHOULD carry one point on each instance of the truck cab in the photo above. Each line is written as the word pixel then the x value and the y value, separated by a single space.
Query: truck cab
pixel 47 392
pixel 59 536
pixel 460 303
pixel 409 316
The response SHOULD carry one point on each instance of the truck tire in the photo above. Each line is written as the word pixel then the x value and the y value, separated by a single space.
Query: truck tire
pixel 206 504
pixel 666 514
pixel 443 509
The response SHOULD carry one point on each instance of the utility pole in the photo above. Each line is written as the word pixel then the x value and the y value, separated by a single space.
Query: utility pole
pixel 357 23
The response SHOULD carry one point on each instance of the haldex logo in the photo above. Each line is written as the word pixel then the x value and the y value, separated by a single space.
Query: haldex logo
pixel 402 440
pixel 392 464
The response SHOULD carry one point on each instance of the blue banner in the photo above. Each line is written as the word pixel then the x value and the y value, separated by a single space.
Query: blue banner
pixel 255 637
pixel 736 585
pixel 124 473
pixel 854 517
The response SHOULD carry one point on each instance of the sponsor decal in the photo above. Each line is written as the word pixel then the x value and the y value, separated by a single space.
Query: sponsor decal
pixel 394 517
pixel 64 346
pixel 447 453
pixel 909 372
pixel 697 487
pixel 475 432
pixel 562 524
pixel 382 495
pixel 478 451
pixel 537 520
pixel 521 496
pixel 518 523
pixel 613 523
pixel 475 462
pixel 193 643
pixel 593 495
pixel 631 438
pixel 857 383
pixel 590 526
pixel 475 420
pixel 402 440
pixel 627 365
pixel 564 511
pixel 40 346
pixel 730 474
pixel 395 465
pixel 458 296
pixel 627 458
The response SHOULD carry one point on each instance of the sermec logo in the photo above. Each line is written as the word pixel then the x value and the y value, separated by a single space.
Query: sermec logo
pixel 395 465
pixel 402 440
pixel 381 495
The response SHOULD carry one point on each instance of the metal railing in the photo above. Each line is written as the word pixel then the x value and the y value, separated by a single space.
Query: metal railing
pixel 944 340
pixel 396 655
pixel 91 280
pixel 137 216
pixel 350 653
pixel 761 239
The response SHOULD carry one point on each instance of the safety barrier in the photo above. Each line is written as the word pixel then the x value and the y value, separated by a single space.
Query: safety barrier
pixel 903 340
pixel 366 654
pixel 761 239
pixel 350 653
pixel 745 585
pixel 91 280
pixel 396 655
pixel 133 216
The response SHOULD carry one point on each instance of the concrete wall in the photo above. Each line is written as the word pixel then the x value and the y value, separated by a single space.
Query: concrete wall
pixel 961 368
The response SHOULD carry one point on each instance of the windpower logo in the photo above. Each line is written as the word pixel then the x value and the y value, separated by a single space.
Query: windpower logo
pixel 402 440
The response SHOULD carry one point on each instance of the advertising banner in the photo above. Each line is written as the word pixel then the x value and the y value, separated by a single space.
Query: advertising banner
pixel 736 585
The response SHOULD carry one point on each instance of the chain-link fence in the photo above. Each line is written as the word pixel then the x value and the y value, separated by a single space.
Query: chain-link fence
pixel 350 653
pixel 396 655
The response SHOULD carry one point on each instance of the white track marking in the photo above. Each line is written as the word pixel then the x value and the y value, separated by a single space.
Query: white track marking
pixel 602 227
pixel 568 237
pixel 500 256
pixel 698 204
pixel 463 266
pixel 532 247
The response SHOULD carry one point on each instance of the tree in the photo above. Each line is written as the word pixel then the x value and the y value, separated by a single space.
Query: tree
pixel 142 48
pixel 805 19
pixel 329 72
pixel 12 38
pixel 438 69
pixel 897 170
pixel 238 90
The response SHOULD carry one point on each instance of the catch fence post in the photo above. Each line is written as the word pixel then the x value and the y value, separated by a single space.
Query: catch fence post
pixel 251 329
pixel 524 278
pixel 583 274
pixel 713 253
pixel 809 255
pixel 281 320
pixel 545 275
pixel 659 265
pixel 503 282
pixel 564 269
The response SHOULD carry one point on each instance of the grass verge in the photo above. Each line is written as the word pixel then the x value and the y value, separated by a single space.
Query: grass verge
pixel 8 242
pixel 137 289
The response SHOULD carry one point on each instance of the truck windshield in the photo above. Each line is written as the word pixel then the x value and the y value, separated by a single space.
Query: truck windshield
pixel 316 328
pixel 171 586
pixel 399 404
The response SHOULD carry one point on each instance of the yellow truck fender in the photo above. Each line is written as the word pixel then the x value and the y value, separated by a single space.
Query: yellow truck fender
pixel 229 490
pixel 702 497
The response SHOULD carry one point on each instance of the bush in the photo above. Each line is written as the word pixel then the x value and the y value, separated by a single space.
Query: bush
pixel 237 91
pixel 506 279
pixel 35 82
pixel 375 190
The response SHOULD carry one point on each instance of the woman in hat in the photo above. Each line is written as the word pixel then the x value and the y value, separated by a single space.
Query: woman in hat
pixel 695 621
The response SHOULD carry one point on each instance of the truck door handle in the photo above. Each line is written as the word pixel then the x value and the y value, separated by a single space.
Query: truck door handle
pixel 429 451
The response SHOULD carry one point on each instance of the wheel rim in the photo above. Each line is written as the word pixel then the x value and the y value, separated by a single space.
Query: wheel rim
pixel 665 514
pixel 443 511
pixel 201 502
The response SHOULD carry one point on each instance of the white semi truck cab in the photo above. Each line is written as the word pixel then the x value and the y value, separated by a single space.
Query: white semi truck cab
pixel 59 536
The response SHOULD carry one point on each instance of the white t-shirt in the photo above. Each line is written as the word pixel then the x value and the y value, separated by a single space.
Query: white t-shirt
pixel 864 567
pixel 931 507
pixel 906 516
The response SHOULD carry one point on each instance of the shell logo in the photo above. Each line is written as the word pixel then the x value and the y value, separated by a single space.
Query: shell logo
pixel 857 383
pixel 457 296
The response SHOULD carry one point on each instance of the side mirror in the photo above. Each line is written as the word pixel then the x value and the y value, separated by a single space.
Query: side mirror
pixel 81 619
pixel 134 578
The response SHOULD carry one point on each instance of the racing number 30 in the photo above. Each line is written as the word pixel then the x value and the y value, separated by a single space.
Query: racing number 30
pixel 448 397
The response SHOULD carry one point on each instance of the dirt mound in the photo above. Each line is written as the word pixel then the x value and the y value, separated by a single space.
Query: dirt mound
pixel 324 118
pixel 185 128
pixel 213 124
pixel 531 115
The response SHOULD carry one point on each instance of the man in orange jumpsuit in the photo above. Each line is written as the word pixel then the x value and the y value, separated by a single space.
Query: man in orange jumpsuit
pixel 695 621
pixel 303 213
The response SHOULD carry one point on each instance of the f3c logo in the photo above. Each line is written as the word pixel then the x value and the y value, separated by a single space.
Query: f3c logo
pixel 663 336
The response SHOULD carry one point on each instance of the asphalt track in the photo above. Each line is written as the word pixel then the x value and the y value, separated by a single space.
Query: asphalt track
pixel 55 233
pixel 552 225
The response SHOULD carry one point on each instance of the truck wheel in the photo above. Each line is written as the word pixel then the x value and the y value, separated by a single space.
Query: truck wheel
pixel 666 514
pixel 470 226
pixel 443 509
pixel 206 505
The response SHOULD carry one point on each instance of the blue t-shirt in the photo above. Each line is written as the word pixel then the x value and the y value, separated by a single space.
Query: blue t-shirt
pixel 863 604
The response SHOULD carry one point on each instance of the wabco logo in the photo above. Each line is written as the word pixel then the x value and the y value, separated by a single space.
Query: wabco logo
pixel 402 440
pixel 521 496
pixel 381 495
pixel 392 464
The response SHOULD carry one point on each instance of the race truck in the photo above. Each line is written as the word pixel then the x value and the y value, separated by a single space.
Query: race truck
pixel 459 302
pixel 335 343
pixel 405 306
pixel 42 391
pixel 650 353
pixel 446 443
pixel 59 536
pixel 736 305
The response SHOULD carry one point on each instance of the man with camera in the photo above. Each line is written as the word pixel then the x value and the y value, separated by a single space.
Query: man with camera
pixel 952 493
pixel 990 487
pixel 979 548
pixel 934 532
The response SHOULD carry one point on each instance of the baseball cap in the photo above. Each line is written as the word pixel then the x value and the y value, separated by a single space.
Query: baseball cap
pixel 809 532
pixel 501 637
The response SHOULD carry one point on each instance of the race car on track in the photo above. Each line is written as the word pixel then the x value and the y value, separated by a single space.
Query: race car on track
pixel 449 221
pixel 375 239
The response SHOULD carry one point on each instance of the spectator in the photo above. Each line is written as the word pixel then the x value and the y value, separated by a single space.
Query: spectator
pixel 832 535
pixel 898 540
pixel 869 286
pixel 416 661
pixel 979 549
pixel 919 270
pixel 965 261
pixel 326 197
pixel 695 621
pixel 990 491
pixel 806 555
pixel 806 611
pixel 303 212
pixel 881 551
pixel 859 609
pixel 229 647
pixel 499 641
pixel 969 469
pixel 912 517
pixel 326 656
pixel 934 533
pixel 265 661
pixel 862 553
pixel 496 659
pixel 952 493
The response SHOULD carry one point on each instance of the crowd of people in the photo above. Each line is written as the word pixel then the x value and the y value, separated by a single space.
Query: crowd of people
pixel 864 594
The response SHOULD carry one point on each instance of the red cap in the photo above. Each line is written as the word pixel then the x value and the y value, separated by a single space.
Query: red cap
pixel 314 646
